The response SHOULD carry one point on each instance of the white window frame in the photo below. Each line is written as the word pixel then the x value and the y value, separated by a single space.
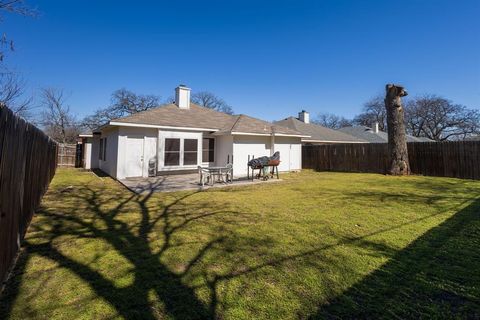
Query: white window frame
pixel 162 135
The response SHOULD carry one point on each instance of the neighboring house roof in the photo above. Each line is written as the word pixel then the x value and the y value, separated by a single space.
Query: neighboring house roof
pixel 474 138
pixel 424 139
pixel 368 134
pixel 86 135
pixel 317 132
pixel 197 117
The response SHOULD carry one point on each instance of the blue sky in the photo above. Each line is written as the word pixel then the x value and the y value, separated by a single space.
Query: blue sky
pixel 268 59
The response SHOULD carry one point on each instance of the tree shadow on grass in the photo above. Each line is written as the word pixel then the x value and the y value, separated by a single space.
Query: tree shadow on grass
pixel 436 276
pixel 410 278
pixel 132 243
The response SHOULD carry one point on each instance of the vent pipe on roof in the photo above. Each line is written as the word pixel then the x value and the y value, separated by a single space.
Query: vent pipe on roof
pixel 182 97
pixel 375 127
pixel 304 116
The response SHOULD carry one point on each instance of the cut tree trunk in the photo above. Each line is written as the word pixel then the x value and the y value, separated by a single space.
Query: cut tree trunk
pixel 397 137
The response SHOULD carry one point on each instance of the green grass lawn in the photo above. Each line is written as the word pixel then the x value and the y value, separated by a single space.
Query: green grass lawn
pixel 317 245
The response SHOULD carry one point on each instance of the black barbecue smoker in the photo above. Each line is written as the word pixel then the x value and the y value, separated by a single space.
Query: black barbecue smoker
pixel 267 166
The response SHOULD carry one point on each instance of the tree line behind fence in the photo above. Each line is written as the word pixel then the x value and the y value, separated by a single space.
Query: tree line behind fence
pixel 458 159
pixel 28 159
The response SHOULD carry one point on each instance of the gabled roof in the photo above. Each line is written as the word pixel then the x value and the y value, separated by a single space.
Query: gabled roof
pixel 205 119
pixel 317 132
pixel 368 134
pixel 247 124
pixel 172 116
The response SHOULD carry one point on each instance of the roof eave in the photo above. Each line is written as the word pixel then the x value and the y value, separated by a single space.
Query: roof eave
pixel 332 141
pixel 243 133
pixel 291 135
pixel 143 125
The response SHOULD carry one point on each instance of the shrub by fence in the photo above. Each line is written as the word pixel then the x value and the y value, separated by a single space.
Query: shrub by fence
pixel 28 159
pixel 458 159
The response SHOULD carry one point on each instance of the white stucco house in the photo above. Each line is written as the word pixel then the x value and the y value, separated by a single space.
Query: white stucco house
pixel 180 136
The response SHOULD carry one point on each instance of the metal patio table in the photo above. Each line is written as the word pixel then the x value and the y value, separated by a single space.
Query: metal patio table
pixel 215 174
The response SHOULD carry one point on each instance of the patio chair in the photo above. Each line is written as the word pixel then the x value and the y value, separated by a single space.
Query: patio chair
pixel 229 173
pixel 204 175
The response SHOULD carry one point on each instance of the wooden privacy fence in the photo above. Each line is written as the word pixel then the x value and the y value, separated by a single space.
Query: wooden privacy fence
pixel 67 155
pixel 28 159
pixel 458 159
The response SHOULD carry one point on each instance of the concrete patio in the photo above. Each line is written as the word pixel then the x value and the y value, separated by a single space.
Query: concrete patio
pixel 170 183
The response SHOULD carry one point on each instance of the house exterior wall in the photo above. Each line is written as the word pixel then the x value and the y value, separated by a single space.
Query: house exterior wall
pixel 290 153
pixel 109 165
pixel 235 149
pixel 154 144
pixel 223 150
pixel 163 134
pixel 257 146
pixel 95 151
pixel 149 135
pixel 244 146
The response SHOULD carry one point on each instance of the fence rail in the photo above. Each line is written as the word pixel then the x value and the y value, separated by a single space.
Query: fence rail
pixel 458 159
pixel 28 159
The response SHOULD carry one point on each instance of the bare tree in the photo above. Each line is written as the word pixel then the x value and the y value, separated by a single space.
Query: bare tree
pixel 439 119
pixel 57 119
pixel 332 121
pixel 397 136
pixel 373 111
pixel 12 95
pixel 124 103
pixel 211 101
pixel 15 7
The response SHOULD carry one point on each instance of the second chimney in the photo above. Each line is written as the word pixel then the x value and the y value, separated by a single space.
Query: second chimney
pixel 304 116
pixel 375 127
pixel 182 97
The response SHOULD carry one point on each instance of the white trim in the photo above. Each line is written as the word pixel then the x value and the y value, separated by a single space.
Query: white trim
pixel 140 125
pixel 268 134
pixel 250 134
pixel 328 141
pixel 85 135
pixel 291 135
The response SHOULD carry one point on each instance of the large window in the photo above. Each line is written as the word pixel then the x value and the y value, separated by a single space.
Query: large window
pixel 172 152
pixel 208 150
pixel 190 150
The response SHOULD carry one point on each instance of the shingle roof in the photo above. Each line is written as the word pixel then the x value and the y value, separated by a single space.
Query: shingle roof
pixel 248 124
pixel 200 117
pixel 316 132
pixel 172 115
pixel 368 134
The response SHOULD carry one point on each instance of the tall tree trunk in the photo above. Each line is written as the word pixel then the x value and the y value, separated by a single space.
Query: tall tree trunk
pixel 397 137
